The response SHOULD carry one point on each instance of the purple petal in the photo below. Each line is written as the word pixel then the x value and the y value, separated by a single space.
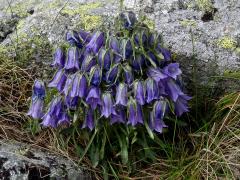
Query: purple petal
pixel 121 95
pixel 172 70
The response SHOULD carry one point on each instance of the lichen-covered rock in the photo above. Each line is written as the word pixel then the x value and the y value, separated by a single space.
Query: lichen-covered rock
pixel 20 161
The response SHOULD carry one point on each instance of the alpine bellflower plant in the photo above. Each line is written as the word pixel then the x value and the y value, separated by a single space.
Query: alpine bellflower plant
pixel 125 77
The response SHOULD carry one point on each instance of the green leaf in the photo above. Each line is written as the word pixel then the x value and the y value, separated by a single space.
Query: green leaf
pixel 151 135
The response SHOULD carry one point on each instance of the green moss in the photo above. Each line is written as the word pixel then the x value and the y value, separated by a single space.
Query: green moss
pixel 205 5
pixel 149 22
pixel 89 22
pixel 227 43
pixel 232 74
pixel 188 23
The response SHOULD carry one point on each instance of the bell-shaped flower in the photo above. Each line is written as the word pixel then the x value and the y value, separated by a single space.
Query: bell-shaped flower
pixel 58 80
pixel 72 62
pixel 114 45
pixel 88 62
pixel 172 70
pixel 84 36
pixel 104 59
pixel 49 121
pixel 68 84
pixel 154 39
pixel 156 74
pixel 172 89
pixel 89 119
pixel 181 104
pixel 94 97
pixel 121 94
pixel 107 105
pixel 36 108
pixel 157 115
pixel 138 62
pixel 151 90
pixel 112 74
pixel 135 114
pixel 162 88
pixel 128 19
pixel 95 75
pixel 152 60
pixel 59 58
pixel 39 89
pixel 79 86
pixel 126 48
pixel 128 74
pixel 166 53
pixel 141 39
pixel 139 92
pixel 64 119
pixel 119 117
pixel 71 102
pixel 73 39
pixel 96 42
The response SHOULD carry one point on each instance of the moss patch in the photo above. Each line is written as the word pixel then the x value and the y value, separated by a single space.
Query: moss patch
pixel 188 23
pixel 149 22
pixel 227 43
pixel 205 5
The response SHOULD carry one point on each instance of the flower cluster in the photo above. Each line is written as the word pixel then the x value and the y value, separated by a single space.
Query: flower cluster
pixel 125 77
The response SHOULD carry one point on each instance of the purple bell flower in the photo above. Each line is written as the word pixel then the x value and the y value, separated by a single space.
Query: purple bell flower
pixel 94 97
pixel 172 70
pixel 104 59
pixel 139 92
pixel 107 105
pixel 156 74
pixel 88 62
pixel 151 90
pixel 119 117
pixel 152 59
pixel 166 53
pixel 71 102
pixel 59 58
pixel 138 62
pixel 39 89
pixel 135 114
pixel 73 39
pixel 126 48
pixel 161 89
pixel 49 121
pixel 172 89
pixel 128 75
pixel 128 19
pixel 154 39
pixel 114 45
pixel 157 115
pixel 64 119
pixel 141 38
pixel 79 86
pixel 96 42
pixel 95 75
pixel 181 105
pixel 59 80
pixel 36 108
pixel 89 120
pixel 72 63
pixel 68 84
pixel 84 36
pixel 112 74
pixel 121 94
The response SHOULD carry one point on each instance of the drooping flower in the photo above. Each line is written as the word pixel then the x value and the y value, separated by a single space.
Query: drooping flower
pixel 119 117
pixel 172 70
pixel 39 89
pixel 59 80
pixel 181 104
pixel 128 19
pixel 172 89
pixel 59 58
pixel 71 102
pixel 135 114
pixel 139 92
pixel 72 62
pixel 78 86
pixel 112 74
pixel 121 94
pixel 126 48
pixel 68 84
pixel 84 36
pixel 156 74
pixel 64 119
pixel 157 115
pixel 96 42
pixel 154 39
pixel 73 39
pixel 138 62
pixel 107 105
pixel 88 62
pixel 114 45
pixel 151 90
pixel 49 121
pixel 128 74
pixel 141 39
pixel 152 59
pixel 89 119
pixel 36 108
pixel 104 59
pixel 166 53
pixel 94 97
pixel 95 75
